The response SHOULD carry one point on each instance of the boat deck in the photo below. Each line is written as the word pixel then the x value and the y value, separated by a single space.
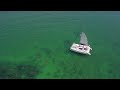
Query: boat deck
pixel 80 48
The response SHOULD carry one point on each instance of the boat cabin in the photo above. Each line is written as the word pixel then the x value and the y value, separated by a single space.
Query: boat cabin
pixel 82 47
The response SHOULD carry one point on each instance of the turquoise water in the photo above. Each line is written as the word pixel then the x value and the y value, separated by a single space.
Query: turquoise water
pixel 35 44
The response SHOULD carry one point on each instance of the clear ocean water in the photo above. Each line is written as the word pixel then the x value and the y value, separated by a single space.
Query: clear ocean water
pixel 35 44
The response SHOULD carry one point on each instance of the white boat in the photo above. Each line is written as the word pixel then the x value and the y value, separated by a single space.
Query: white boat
pixel 83 47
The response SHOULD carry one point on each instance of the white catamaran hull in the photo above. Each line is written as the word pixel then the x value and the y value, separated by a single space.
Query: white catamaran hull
pixel 76 48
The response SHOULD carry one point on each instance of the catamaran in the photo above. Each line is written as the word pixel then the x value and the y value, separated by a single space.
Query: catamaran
pixel 83 47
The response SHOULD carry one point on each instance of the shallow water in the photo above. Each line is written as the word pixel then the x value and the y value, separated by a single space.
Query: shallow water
pixel 38 43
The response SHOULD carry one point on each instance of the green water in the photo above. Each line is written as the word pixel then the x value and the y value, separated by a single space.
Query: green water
pixel 36 45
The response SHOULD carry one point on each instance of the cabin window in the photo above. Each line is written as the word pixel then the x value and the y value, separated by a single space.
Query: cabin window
pixel 85 48
pixel 80 48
